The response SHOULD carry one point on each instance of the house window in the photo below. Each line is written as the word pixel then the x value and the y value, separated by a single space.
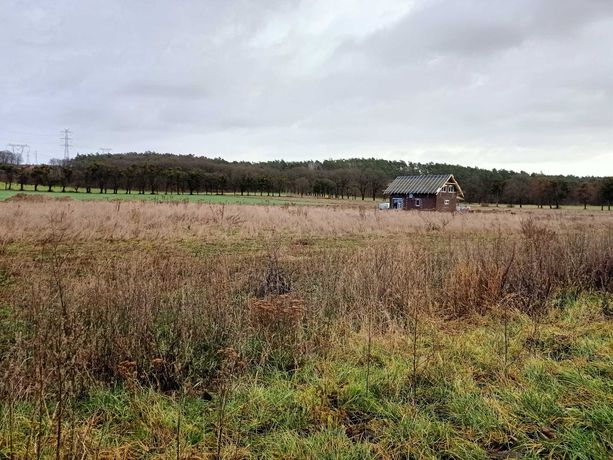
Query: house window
pixel 446 202
pixel 418 202
pixel 450 188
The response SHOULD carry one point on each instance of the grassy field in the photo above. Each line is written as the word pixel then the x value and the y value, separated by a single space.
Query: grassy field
pixel 169 330
pixel 557 402
pixel 228 198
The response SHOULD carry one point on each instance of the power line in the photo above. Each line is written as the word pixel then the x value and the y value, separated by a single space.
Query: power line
pixel 67 143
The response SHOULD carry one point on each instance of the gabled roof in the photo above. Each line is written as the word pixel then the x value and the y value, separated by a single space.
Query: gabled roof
pixel 426 184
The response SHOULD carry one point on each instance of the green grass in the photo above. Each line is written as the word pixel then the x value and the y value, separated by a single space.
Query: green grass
pixel 218 199
pixel 547 406
pixel 228 198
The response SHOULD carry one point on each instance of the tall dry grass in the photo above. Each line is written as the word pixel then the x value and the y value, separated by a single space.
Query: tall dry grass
pixel 91 296
pixel 111 221
pixel 149 318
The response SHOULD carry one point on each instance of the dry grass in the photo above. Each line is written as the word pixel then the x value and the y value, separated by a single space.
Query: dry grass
pixel 98 295
pixel 141 303
pixel 30 221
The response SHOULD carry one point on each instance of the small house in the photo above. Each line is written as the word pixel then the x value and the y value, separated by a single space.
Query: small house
pixel 426 192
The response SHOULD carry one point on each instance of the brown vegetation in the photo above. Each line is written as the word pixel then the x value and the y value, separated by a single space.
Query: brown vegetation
pixel 90 313
pixel 86 308
pixel 120 220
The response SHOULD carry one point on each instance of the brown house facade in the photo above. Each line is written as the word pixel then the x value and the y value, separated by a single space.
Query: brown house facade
pixel 428 192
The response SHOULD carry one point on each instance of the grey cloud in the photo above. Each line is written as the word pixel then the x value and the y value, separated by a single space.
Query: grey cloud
pixel 153 89
pixel 519 83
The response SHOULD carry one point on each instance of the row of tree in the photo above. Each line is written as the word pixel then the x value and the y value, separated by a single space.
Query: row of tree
pixel 154 173
pixel 9 158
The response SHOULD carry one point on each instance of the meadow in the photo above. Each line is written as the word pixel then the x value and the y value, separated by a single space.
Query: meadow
pixel 197 330
pixel 231 198
pixel 227 198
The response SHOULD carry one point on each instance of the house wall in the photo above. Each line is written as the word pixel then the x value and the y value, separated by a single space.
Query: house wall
pixel 449 196
pixel 428 202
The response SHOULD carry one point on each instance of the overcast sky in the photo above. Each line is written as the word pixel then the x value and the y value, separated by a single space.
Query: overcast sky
pixel 515 84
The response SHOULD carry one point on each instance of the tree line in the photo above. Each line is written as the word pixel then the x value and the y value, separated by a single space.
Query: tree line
pixel 355 178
